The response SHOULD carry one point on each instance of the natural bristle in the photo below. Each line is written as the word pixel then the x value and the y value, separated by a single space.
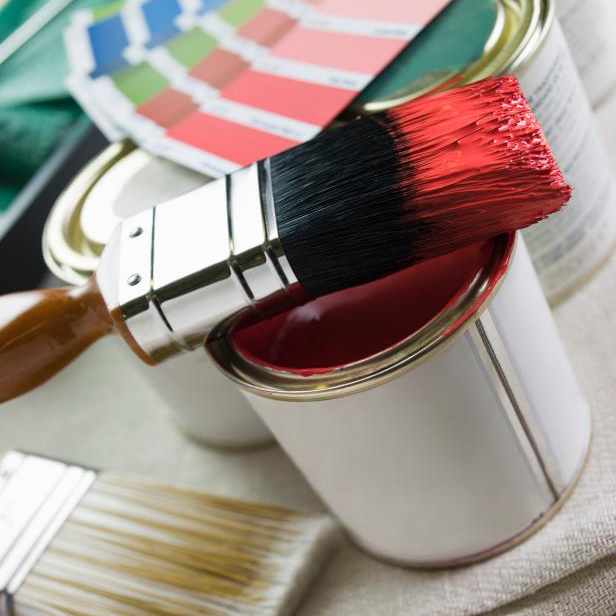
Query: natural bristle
pixel 428 177
pixel 136 548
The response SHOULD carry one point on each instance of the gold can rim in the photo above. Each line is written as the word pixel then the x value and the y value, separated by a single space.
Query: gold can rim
pixel 382 367
pixel 66 250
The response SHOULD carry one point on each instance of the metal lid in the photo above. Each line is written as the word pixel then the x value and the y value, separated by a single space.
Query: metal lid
pixel 469 40
pixel 121 181
pixel 466 306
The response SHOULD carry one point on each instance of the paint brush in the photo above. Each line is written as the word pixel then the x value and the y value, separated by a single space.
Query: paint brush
pixel 352 205
pixel 75 541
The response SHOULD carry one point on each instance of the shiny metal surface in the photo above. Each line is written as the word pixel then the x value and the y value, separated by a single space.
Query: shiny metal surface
pixel 251 262
pixel 490 349
pixel 36 497
pixel 134 289
pixel 273 246
pixel 199 260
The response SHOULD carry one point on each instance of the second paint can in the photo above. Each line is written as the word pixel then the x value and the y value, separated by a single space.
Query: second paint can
pixel 589 28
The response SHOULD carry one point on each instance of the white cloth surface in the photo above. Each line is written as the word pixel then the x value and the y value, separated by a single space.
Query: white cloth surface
pixel 98 412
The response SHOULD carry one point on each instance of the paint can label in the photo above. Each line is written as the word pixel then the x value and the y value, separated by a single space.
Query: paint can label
pixel 567 247
pixel 588 28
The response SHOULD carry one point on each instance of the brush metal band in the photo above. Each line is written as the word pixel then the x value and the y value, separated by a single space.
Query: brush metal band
pixel 37 495
pixel 193 262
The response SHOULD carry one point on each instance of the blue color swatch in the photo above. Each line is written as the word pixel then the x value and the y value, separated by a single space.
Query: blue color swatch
pixel 160 17
pixel 108 39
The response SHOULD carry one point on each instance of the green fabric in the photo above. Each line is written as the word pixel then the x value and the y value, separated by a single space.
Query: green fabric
pixel 8 192
pixel 35 108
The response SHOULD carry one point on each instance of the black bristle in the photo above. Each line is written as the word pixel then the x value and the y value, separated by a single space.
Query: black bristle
pixel 316 190
pixel 428 177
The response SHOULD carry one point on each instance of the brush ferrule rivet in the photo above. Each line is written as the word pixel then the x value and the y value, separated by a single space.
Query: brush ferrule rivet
pixel 139 312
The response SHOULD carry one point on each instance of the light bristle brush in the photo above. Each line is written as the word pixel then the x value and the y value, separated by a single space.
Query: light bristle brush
pixel 77 543
pixel 352 205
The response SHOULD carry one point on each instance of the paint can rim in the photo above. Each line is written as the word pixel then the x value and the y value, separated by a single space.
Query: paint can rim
pixel 384 366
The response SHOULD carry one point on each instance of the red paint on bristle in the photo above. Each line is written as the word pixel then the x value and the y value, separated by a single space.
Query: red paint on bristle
pixel 454 142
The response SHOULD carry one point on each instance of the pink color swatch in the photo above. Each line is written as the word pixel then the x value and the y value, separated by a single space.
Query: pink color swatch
pixel 301 100
pixel 267 27
pixel 235 142
pixel 350 52
pixel 402 11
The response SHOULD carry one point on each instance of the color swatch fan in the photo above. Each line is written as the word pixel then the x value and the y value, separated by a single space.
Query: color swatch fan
pixel 215 85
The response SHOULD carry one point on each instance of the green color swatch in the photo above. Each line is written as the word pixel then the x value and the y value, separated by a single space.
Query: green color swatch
pixel 107 10
pixel 239 12
pixel 139 83
pixel 191 47
pixel 452 41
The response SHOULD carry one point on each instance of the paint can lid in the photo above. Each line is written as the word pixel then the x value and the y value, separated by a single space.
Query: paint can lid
pixel 469 40
pixel 120 182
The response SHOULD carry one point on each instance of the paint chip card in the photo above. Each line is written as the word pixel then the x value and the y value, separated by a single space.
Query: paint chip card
pixel 215 84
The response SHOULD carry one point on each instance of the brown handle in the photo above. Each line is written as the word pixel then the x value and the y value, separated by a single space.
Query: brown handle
pixel 42 331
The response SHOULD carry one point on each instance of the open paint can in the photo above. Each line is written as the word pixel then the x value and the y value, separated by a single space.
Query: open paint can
pixel 473 39
pixel 120 182
pixel 434 411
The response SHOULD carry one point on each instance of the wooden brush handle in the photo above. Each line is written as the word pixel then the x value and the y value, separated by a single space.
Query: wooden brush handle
pixel 42 331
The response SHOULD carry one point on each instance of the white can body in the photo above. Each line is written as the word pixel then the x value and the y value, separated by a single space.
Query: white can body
pixel 588 27
pixel 459 457
pixel 203 403
pixel 568 247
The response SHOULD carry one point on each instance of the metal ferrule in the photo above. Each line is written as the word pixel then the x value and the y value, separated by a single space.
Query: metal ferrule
pixel 192 263
pixel 37 495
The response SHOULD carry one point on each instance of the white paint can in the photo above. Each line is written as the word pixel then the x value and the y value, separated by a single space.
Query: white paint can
pixel 568 248
pixel 120 182
pixel 589 27
pixel 437 416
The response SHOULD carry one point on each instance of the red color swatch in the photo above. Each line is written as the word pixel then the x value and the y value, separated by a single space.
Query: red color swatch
pixel 350 52
pixel 301 100
pixel 267 27
pixel 219 68
pixel 168 107
pixel 234 142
